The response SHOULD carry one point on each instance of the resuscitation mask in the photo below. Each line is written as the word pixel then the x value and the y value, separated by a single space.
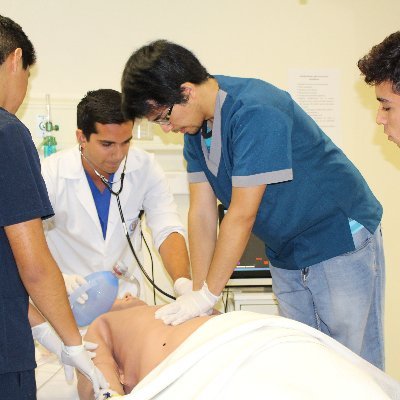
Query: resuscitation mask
pixel 102 289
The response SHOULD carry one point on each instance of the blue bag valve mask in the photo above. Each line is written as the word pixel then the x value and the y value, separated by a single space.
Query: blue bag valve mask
pixel 102 289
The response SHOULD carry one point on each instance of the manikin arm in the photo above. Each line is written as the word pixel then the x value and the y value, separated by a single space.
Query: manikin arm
pixel 99 332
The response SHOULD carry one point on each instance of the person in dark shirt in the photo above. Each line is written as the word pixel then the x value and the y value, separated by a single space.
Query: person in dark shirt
pixel 26 265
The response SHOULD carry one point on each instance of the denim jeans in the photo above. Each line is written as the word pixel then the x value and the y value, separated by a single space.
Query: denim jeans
pixel 342 297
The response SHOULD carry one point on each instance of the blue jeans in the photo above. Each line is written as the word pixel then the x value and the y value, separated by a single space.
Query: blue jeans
pixel 342 297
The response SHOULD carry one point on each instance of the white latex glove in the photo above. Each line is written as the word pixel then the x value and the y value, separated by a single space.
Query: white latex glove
pixel 46 336
pixel 183 285
pixel 78 357
pixel 72 282
pixel 187 306
pixel 49 339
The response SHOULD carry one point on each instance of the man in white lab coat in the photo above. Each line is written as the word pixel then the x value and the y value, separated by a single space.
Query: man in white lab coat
pixel 86 234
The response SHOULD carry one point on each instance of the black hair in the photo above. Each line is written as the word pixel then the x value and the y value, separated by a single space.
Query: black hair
pixel 102 106
pixel 382 63
pixel 13 37
pixel 153 76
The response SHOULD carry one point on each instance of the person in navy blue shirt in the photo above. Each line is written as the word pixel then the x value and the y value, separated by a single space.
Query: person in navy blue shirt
pixel 26 265
pixel 249 145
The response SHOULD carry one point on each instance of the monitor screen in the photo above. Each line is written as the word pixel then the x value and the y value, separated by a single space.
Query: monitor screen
pixel 253 267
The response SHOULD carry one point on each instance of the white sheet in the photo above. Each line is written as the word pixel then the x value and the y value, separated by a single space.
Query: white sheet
pixel 243 354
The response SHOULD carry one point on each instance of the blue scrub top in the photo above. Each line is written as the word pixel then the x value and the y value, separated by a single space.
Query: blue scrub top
pixel 261 136
pixel 102 202
pixel 23 198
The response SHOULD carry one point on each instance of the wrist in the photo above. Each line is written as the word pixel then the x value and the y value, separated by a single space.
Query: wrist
pixel 72 350
pixel 39 331
pixel 210 296
pixel 183 285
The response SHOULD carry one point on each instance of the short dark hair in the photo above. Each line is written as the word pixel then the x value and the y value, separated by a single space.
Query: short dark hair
pixel 153 76
pixel 13 37
pixel 382 63
pixel 102 106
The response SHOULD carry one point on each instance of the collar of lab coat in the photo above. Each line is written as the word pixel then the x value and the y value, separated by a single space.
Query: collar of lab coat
pixel 71 168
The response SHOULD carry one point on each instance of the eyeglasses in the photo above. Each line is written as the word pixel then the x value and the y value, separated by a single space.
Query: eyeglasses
pixel 164 120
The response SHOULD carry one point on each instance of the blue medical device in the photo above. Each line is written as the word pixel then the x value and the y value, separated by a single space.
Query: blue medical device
pixel 102 289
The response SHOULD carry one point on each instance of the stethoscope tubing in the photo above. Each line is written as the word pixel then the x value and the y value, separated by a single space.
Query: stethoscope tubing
pixel 108 185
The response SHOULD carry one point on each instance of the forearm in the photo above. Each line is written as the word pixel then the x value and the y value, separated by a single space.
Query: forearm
pixel 202 239
pixel 49 295
pixel 233 236
pixel 175 257
pixel 42 278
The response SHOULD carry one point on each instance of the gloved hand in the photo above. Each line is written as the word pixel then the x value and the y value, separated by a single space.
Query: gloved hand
pixel 187 306
pixel 46 336
pixel 183 285
pixel 72 282
pixel 78 357
pixel 49 339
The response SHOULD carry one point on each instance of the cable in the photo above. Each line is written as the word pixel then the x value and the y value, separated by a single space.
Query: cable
pixel 109 184
pixel 152 265
pixel 136 257
pixel 226 300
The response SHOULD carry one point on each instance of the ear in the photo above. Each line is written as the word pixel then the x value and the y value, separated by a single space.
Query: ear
pixel 188 89
pixel 16 59
pixel 80 137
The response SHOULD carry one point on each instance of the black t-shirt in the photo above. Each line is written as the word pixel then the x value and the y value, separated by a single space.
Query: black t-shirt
pixel 23 197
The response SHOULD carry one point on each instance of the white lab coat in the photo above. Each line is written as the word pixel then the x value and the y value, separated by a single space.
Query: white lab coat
pixel 74 234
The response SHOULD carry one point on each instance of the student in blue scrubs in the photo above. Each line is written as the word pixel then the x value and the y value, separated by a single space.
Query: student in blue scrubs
pixel 26 266
pixel 279 176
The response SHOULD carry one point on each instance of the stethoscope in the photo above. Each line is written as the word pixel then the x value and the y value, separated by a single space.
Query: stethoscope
pixel 108 185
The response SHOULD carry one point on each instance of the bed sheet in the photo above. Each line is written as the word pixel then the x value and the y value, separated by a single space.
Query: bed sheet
pixel 247 355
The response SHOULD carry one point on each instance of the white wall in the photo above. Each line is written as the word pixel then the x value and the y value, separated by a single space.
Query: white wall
pixel 83 45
